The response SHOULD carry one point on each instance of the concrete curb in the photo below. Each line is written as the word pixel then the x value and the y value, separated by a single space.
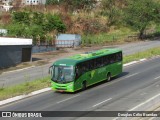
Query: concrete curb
pixel 133 62
pixel 3 102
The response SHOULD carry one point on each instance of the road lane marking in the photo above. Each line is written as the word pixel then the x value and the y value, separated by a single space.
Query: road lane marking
pixel 130 63
pixel 142 59
pixel 157 78
pixel 18 70
pixel 131 75
pixel 147 101
pixel 67 99
pixel 140 105
pixel 101 102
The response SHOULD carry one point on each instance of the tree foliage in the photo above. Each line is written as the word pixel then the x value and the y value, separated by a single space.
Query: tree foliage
pixel 136 14
pixel 50 25
pixel 32 24
pixel 112 9
pixel 21 17
pixel 140 13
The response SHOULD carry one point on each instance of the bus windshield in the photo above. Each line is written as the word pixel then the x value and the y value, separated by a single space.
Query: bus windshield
pixel 63 74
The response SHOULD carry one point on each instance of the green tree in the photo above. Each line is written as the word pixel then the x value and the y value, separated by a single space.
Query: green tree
pixel 21 17
pixel 16 29
pixel 112 9
pixel 140 13
pixel 37 18
pixel 53 22
pixel 32 24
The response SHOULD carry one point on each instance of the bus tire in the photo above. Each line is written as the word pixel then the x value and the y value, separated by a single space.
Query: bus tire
pixel 108 77
pixel 84 85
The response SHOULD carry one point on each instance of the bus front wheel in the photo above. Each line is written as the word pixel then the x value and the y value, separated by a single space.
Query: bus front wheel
pixel 84 85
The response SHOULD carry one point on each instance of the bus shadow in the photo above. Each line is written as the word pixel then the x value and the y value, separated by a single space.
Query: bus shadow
pixel 98 84
pixel 120 75
pixel 105 81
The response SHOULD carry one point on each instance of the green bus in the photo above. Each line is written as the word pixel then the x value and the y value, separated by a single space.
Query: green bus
pixel 82 70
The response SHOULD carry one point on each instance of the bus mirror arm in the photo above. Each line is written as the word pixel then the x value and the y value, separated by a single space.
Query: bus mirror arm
pixel 49 71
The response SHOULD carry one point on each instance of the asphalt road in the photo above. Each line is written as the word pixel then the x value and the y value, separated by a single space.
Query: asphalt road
pixel 137 84
pixel 17 77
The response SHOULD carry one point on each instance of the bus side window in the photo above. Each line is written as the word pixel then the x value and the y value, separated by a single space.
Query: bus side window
pixel 105 60
pixel 110 59
pixel 119 56
pixel 95 64
pixel 91 64
pixel 81 69
pixel 86 66
pixel 78 70
pixel 99 62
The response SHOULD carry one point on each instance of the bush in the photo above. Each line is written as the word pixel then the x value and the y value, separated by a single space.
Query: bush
pixel 33 24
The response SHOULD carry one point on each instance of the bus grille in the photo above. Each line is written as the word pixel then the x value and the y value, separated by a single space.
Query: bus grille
pixel 61 88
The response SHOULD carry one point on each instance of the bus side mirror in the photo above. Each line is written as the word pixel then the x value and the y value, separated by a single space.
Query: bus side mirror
pixel 50 71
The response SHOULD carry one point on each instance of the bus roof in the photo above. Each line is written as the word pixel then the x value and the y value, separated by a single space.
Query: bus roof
pixel 73 60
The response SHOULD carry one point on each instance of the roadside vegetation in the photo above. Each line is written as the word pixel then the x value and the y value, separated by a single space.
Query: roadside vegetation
pixel 97 22
pixel 140 55
pixel 8 92
pixel 25 88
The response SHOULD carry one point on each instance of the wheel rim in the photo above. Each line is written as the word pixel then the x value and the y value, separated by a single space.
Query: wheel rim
pixel 108 77
pixel 84 86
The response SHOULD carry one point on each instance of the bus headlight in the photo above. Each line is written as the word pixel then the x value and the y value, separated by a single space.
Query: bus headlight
pixel 70 85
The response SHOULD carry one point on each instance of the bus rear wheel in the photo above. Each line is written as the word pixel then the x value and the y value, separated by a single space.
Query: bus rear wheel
pixel 109 77
pixel 84 85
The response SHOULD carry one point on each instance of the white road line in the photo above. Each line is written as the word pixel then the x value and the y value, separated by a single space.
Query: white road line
pixel 140 105
pixel 131 75
pixel 101 102
pixel 130 63
pixel 67 99
pixel 142 59
pixel 157 77
pixel 144 102
pixel 17 70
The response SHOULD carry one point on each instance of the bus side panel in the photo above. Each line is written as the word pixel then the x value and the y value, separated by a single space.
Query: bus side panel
pixel 98 75
pixel 115 68
pixel 119 67
pixel 79 82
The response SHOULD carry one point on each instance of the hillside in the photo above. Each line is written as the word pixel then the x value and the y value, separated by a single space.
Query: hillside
pixel 105 22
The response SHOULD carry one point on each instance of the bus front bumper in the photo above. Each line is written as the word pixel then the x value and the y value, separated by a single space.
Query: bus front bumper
pixel 68 87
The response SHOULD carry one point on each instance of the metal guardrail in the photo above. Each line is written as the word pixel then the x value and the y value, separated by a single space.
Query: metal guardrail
pixel 64 43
